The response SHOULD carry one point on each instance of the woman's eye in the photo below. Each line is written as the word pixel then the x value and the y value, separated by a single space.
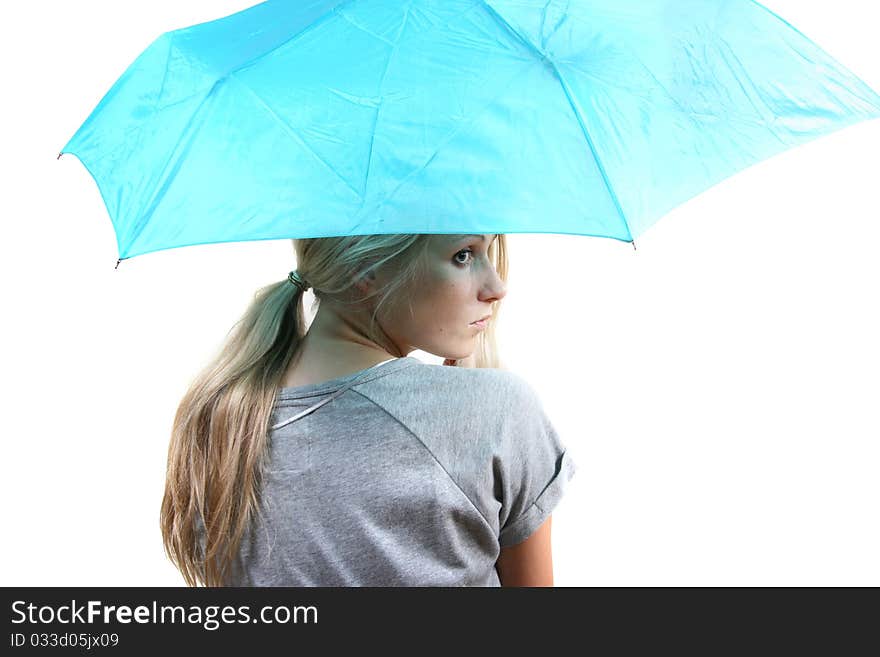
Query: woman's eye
pixel 470 251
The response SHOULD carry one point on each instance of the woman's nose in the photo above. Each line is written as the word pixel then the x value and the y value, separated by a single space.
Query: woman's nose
pixel 496 288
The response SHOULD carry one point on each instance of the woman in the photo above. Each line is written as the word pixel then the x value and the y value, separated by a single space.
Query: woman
pixel 332 458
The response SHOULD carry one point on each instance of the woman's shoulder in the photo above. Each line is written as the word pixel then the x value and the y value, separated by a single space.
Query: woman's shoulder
pixel 478 383
pixel 436 402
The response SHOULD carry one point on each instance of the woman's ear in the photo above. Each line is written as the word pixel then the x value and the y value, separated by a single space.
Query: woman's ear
pixel 365 283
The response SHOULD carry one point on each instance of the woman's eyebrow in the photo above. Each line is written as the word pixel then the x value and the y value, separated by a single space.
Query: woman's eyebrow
pixel 456 238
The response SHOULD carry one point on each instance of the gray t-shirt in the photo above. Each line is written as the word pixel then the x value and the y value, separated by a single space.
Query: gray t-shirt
pixel 415 475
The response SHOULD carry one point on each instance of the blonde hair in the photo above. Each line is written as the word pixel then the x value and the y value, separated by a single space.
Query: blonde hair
pixel 219 439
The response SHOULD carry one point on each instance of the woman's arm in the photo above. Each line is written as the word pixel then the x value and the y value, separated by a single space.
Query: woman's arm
pixel 529 563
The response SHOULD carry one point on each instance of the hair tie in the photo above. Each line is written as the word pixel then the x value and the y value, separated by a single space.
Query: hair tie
pixel 295 278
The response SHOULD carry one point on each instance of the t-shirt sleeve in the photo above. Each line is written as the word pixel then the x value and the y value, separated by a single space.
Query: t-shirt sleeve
pixel 534 469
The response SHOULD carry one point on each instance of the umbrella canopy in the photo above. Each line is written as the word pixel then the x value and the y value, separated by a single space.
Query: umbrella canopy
pixel 300 119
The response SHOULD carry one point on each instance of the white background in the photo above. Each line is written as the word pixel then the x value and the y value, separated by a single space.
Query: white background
pixel 717 387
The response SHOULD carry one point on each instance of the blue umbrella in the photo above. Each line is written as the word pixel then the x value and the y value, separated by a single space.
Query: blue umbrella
pixel 296 119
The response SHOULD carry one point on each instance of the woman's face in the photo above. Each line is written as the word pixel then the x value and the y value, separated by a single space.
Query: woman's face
pixel 459 287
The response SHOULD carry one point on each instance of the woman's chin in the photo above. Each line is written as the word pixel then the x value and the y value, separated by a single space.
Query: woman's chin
pixel 462 359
